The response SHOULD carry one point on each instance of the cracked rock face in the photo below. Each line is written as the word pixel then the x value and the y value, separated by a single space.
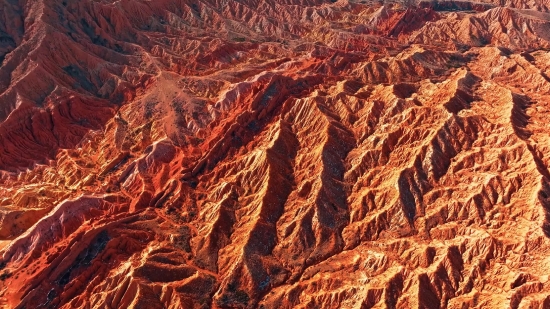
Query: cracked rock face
pixel 274 154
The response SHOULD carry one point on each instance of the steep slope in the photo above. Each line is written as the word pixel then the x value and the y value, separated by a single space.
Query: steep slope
pixel 274 154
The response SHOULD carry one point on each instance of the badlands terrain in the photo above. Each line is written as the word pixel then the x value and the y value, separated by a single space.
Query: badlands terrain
pixel 274 154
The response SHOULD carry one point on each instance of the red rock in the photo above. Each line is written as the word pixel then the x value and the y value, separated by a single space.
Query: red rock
pixel 274 154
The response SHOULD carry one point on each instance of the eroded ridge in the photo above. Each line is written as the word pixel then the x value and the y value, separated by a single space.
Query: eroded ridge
pixel 274 154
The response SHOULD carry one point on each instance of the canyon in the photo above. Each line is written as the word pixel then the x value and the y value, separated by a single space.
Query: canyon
pixel 274 154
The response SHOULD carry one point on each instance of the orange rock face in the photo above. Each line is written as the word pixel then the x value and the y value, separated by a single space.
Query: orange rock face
pixel 274 154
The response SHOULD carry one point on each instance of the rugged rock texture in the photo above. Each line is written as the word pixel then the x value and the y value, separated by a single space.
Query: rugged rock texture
pixel 274 154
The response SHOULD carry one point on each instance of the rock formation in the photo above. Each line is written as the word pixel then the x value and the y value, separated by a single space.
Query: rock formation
pixel 274 154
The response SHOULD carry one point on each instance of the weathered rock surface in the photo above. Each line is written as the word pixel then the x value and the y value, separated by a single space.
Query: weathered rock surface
pixel 274 154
